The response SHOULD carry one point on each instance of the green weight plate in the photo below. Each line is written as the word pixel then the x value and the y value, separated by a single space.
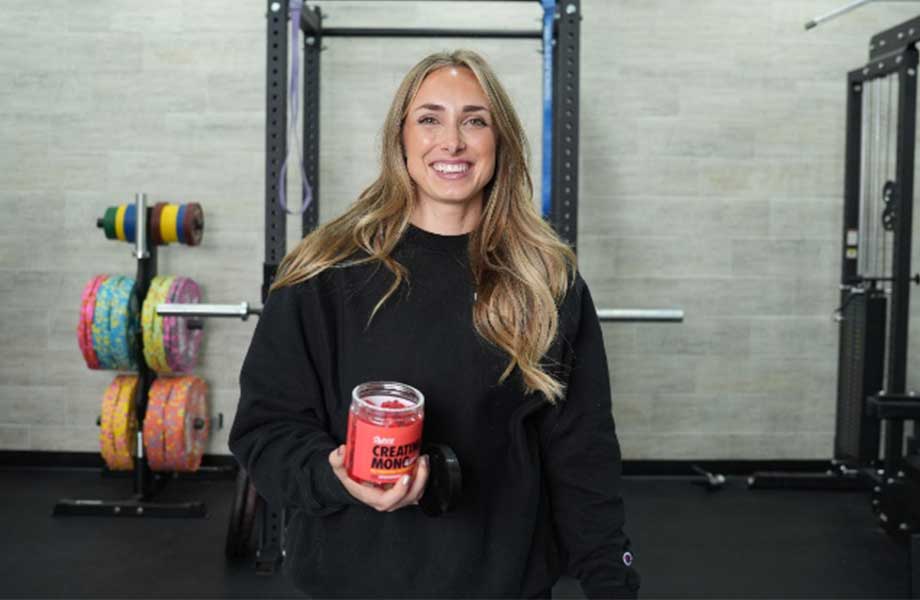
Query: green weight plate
pixel 108 222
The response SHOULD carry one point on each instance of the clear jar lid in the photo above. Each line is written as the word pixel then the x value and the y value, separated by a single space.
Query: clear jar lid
pixel 374 395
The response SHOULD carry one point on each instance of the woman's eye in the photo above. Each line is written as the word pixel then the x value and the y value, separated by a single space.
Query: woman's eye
pixel 478 122
pixel 427 120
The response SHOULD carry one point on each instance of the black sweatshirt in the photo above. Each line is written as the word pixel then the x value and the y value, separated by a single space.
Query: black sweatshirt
pixel 540 483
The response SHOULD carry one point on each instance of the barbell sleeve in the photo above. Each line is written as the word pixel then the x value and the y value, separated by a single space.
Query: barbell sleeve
pixel 640 315
pixel 238 311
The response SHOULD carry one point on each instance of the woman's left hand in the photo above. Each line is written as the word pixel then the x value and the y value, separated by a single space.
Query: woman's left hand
pixel 406 492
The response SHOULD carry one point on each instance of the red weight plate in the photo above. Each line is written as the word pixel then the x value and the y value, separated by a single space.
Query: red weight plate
pixel 155 238
pixel 187 407
pixel 85 324
pixel 193 224
pixel 155 424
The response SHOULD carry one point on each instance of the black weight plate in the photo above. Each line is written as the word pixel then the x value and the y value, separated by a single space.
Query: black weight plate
pixel 445 481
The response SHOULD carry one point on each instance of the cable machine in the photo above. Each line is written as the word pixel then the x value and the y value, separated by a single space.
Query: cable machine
pixel 878 229
pixel 872 399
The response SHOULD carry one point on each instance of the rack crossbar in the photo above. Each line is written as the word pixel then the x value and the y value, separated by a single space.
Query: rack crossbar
pixel 387 32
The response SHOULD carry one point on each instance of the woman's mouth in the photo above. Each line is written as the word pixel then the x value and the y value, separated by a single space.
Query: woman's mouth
pixel 452 170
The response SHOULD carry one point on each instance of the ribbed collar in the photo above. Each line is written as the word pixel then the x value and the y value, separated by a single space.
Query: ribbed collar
pixel 453 244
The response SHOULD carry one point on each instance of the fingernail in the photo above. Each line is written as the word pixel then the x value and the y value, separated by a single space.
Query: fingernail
pixel 425 461
pixel 405 480
pixel 339 451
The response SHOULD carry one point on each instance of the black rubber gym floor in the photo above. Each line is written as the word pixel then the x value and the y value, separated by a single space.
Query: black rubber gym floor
pixel 689 543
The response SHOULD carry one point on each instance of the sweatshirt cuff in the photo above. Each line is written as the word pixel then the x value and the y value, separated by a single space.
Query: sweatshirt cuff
pixel 619 592
pixel 329 489
pixel 629 589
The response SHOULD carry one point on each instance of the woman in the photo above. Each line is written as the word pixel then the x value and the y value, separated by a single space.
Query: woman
pixel 442 276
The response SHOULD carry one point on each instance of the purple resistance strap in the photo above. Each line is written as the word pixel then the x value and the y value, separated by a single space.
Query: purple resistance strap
pixel 307 191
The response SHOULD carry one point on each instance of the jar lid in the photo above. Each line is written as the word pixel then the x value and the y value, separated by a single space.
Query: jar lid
pixel 376 395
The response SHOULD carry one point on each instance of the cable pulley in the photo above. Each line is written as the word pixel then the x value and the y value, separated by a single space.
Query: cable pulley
pixel 889 213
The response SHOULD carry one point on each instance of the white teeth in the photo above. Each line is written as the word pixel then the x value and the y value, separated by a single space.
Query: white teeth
pixel 451 168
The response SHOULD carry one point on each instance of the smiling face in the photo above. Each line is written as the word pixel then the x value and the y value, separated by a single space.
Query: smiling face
pixel 449 139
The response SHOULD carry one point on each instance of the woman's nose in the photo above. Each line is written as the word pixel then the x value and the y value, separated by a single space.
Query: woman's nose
pixel 453 140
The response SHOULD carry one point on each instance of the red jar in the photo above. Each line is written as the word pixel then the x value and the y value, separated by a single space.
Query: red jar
pixel 384 432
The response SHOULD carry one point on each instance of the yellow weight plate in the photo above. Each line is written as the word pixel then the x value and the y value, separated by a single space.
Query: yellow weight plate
pixel 168 220
pixel 106 440
pixel 154 350
pixel 159 342
pixel 124 423
pixel 120 222
pixel 147 315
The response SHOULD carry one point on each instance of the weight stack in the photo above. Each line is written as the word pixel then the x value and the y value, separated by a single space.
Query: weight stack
pixel 860 371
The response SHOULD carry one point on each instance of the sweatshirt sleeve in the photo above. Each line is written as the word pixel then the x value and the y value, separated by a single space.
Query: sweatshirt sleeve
pixel 280 432
pixel 582 457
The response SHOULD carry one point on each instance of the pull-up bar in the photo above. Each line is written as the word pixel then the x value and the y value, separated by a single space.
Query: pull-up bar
pixel 430 0
pixel 309 24
pixel 420 33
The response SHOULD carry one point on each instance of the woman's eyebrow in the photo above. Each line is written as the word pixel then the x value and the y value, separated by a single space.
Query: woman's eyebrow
pixel 466 109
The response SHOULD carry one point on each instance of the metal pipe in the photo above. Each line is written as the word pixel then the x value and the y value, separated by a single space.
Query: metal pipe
pixel 874 216
pixel 835 13
pixel 894 91
pixel 862 229
pixel 636 315
pixel 426 33
pixel 140 226
pixel 889 175
pixel 240 311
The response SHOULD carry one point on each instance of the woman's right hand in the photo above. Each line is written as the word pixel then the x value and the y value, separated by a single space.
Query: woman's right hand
pixel 406 492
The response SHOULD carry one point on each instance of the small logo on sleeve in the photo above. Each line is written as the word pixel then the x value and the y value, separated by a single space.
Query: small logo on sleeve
pixel 628 559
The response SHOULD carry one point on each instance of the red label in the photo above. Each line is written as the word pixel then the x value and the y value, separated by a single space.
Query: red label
pixel 383 454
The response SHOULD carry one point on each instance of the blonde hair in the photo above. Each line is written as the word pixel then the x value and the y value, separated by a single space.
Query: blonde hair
pixel 521 268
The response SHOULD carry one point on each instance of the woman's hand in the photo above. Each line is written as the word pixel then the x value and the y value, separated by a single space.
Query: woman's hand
pixel 404 492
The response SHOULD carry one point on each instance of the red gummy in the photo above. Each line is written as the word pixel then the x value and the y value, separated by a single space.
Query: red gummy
pixel 391 404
